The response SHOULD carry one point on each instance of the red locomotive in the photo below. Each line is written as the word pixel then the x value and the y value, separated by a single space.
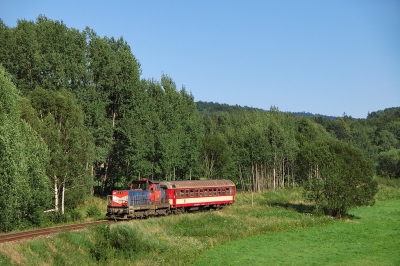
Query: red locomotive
pixel 148 197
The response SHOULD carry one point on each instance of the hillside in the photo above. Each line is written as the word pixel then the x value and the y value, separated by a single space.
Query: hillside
pixel 211 107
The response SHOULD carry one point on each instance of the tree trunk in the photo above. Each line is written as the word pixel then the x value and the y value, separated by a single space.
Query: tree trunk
pixel 275 171
pixel 283 172
pixel 55 194
pixel 274 177
pixel 92 173
pixel 241 177
pixel 62 197
pixel 104 178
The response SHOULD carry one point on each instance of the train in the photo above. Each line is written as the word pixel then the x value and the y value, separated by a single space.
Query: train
pixel 147 197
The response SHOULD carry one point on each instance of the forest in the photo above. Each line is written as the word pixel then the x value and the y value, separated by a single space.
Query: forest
pixel 77 119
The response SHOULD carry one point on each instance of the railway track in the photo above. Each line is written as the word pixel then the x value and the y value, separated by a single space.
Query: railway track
pixel 46 231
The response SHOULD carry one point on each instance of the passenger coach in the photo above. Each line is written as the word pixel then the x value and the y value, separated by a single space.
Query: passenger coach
pixel 199 194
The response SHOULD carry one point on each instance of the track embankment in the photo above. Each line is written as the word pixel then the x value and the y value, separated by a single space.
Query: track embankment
pixel 47 231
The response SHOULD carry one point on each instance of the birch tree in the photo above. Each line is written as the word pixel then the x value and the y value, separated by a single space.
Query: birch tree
pixel 59 121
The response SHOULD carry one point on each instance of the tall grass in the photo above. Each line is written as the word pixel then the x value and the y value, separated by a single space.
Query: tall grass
pixel 172 240
pixel 388 189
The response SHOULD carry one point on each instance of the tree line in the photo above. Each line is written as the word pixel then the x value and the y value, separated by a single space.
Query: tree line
pixel 378 135
pixel 75 114
pixel 95 120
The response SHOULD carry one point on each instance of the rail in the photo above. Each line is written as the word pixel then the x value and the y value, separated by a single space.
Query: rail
pixel 9 237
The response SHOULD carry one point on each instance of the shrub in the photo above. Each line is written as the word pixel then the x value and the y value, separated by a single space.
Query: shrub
pixel 101 247
pixel 56 217
pixel 339 177
pixel 122 241
pixel 74 215
pixel 93 211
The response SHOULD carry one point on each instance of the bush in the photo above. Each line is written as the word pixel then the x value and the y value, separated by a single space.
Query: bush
pixel 101 248
pixel 122 241
pixel 93 211
pixel 74 215
pixel 56 217
pixel 341 178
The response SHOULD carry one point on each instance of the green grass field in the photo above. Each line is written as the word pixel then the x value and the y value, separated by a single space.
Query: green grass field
pixel 370 237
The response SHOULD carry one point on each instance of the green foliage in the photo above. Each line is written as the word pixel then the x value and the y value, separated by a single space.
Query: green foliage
pixel 388 189
pixel 339 177
pixel 74 215
pixel 95 119
pixel 71 147
pixel 216 155
pixel 122 242
pixel 379 132
pixel 389 163
pixel 172 240
pixel 93 211
pixel 23 159
pixel 182 239
pixel 207 108
pixel 56 218
pixel 101 249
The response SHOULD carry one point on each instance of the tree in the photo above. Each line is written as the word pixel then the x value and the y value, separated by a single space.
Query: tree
pixel 114 74
pixel 59 121
pixel 193 133
pixel 389 163
pixel 216 156
pixel 339 177
pixel 24 193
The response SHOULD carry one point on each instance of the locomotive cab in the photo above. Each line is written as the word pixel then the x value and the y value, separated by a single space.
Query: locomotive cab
pixel 144 198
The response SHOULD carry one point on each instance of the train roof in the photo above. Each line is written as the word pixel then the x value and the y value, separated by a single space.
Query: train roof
pixel 141 181
pixel 197 183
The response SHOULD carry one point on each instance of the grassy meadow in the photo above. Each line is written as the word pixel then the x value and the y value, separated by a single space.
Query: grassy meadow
pixel 275 227
pixel 370 237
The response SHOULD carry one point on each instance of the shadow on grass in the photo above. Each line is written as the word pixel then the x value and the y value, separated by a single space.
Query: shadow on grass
pixel 301 208
pixel 308 209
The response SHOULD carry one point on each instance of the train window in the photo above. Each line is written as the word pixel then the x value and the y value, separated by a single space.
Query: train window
pixel 223 191
pixel 182 193
pixel 228 191
pixel 201 192
pixel 215 191
pixel 187 193
pixel 219 191
pixel 191 193
pixel 205 192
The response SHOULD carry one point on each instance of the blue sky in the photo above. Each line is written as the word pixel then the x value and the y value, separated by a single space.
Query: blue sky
pixel 325 57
